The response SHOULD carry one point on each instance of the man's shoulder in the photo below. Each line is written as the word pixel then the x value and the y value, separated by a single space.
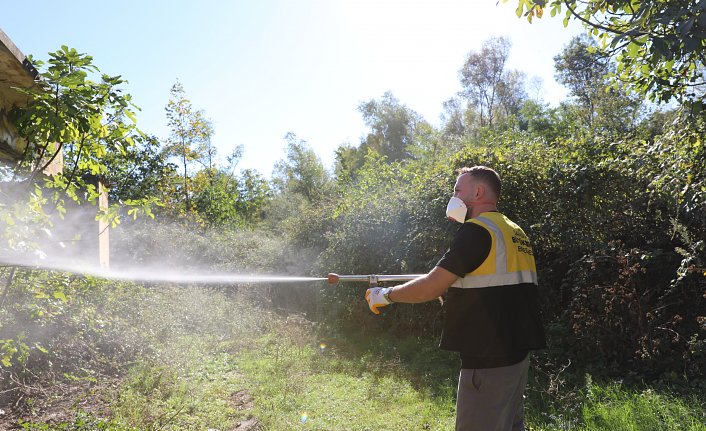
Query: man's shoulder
pixel 472 226
pixel 474 232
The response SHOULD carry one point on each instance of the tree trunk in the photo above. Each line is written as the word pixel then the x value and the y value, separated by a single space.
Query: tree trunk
pixel 8 284
pixel 186 178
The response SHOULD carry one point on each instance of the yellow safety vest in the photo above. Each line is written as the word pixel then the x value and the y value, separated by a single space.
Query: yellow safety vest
pixel 510 260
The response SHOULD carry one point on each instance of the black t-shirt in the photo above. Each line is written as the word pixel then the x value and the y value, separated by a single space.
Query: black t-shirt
pixel 469 249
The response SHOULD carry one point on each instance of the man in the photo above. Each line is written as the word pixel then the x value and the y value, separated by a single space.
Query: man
pixel 493 318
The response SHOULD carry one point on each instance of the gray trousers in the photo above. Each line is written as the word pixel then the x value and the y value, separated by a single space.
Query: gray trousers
pixel 491 399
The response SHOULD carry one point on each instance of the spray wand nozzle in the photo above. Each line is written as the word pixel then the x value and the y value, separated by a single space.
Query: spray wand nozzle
pixel 372 279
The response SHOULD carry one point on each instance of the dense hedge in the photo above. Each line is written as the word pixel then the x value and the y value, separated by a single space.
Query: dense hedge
pixel 617 227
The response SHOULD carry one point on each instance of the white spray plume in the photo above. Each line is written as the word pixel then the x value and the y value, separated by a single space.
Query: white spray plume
pixel 153 275
pixel 144 250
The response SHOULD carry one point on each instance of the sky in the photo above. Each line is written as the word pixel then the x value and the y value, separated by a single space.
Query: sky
pixel 261 69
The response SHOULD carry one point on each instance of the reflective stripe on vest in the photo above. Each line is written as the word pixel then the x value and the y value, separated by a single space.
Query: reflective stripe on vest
pixel 501 277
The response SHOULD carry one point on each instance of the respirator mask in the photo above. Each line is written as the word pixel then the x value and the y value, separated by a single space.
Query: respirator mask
pixel 456 210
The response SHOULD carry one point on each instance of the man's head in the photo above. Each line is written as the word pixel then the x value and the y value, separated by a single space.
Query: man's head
pixel 485 177
pixel 479 188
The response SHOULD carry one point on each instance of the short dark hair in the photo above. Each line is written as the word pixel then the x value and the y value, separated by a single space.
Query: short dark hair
pixel 487 175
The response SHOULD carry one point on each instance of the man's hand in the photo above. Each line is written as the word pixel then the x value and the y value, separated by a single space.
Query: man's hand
pixel 377 297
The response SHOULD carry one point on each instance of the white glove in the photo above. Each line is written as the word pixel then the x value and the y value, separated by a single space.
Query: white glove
pixel 377 297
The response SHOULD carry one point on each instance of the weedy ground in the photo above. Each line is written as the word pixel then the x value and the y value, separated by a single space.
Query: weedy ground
pixel 207 359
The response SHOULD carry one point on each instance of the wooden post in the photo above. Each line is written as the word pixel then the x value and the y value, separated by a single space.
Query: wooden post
pixel 103 229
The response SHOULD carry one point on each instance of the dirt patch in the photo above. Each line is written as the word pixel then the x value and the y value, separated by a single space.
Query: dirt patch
pixel 60 403
pixel 242 400
pixel 54 402
pixel 251 424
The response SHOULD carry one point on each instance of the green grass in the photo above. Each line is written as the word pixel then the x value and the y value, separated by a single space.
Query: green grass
pixel 191 393
pixel 384 383
pixel 611 407
pixel 205 348
pixel 331 390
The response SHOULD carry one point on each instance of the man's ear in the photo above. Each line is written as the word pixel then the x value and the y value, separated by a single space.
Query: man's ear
pixel 480 190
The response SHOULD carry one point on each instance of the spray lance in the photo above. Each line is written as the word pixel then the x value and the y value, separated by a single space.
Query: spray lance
pixel 374 280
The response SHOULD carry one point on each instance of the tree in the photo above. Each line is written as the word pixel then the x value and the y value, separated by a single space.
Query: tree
pixel 539 120
pixel 190 134
pixel 349 160
pixel 452 118
pixel 583 72
pixel 227 200
pixel 535 88
pixel 301 172
pixel 392 126
pixel 138 171
pixel 658 44
pixel 601 106
pixel 511 92
pixel 394 130
pixel 207 149
pixel 482 74
pixel 71 116
pixel 254 193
